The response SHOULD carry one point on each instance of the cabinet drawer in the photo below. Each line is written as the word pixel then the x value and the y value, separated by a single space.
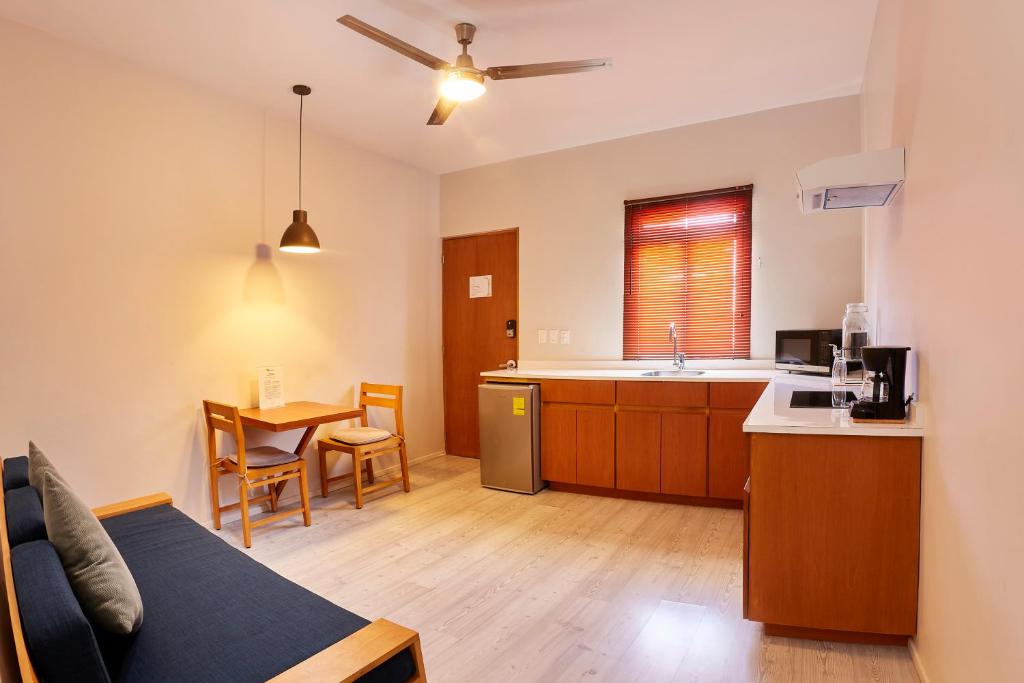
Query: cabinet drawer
pixel 577 391
pixel 662 394
pixel 738 395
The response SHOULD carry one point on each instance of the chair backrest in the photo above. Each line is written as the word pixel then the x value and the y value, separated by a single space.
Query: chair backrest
pixel 382 396
pixel 221 417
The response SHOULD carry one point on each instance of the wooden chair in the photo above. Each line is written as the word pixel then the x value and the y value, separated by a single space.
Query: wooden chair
pixel 255 468
pixel 364 443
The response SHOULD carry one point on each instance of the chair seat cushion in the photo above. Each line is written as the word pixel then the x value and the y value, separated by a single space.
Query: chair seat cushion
pixel 15 472
pixel 357 436
pixel 265 456
pixel 215 614
pixel 24 516
pixel 61 641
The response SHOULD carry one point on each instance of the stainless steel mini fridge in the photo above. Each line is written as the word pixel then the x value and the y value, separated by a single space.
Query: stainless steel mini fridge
pixel 510 437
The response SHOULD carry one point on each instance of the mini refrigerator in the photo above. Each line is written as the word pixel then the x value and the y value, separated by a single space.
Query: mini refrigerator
pixel 510 437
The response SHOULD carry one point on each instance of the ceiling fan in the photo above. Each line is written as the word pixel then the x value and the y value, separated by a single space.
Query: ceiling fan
pixel 463 81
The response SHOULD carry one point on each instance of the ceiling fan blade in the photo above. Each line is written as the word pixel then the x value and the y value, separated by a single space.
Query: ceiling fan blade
pixel 546 69
pixel 441 111
pixel 388 40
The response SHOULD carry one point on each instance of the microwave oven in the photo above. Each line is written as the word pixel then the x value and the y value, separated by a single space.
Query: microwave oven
pixel 806 350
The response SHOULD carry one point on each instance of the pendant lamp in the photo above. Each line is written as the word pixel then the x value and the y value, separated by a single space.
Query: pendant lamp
pixel 299 238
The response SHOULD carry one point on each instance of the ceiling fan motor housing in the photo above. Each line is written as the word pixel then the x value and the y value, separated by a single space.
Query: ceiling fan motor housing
pixel 464 33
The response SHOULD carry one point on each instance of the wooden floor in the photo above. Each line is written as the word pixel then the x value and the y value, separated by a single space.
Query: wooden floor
pixel 552 587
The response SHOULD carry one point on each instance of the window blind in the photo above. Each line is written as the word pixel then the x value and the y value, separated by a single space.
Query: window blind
pixel 687 261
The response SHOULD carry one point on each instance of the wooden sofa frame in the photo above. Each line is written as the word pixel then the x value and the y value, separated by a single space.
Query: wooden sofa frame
pixel 342 662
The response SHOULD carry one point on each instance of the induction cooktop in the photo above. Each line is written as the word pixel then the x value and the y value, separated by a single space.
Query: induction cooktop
pixel 816 399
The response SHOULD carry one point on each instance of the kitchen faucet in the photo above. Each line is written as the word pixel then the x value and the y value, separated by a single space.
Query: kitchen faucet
pixel 678 357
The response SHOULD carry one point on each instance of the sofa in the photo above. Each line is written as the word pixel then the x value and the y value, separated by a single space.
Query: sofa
pixel 211 613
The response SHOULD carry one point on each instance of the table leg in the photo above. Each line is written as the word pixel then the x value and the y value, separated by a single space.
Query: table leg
pixel 299 450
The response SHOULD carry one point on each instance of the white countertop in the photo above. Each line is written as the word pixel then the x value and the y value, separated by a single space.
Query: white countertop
pixel 772 413
pixel 709 375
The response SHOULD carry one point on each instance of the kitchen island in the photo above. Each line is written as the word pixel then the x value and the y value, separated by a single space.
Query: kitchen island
pixel 831 520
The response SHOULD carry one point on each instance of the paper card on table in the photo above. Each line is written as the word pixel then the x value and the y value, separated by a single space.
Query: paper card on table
pixel 271 383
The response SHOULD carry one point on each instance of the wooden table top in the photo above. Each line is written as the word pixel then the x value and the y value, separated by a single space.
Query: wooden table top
pixel 296 415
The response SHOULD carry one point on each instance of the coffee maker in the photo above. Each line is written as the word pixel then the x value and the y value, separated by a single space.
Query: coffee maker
pixel 885 375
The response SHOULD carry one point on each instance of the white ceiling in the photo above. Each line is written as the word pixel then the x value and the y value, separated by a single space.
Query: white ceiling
pixel 675 62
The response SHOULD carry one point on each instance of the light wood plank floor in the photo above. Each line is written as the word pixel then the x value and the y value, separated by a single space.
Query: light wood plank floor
pixel 552 587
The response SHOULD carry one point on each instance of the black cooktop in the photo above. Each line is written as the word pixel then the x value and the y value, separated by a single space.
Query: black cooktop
pixel 816 399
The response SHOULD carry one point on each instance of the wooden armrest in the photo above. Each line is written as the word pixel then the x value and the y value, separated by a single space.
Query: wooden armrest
pixel 357 654
pixel 132 505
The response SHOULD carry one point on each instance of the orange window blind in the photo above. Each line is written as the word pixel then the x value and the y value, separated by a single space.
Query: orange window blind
pixel 687 261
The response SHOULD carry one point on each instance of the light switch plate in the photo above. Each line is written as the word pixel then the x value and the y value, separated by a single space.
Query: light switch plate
pixel 542 336
pixel 563 337
pixel 552 336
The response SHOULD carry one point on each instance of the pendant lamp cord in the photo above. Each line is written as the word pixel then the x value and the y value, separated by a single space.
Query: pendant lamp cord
pixel 301 98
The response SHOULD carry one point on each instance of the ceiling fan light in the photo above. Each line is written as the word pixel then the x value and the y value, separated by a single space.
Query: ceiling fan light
pixel 462 86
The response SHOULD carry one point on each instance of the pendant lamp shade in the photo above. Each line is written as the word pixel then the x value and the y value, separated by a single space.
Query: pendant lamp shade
pixel 299 238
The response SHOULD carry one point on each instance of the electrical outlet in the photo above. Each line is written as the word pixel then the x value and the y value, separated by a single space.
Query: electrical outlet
pixel 542 336
pixel 552 336
pixel 563 337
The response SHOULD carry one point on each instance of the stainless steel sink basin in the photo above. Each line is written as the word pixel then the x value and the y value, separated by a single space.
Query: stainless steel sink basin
pixel 673 373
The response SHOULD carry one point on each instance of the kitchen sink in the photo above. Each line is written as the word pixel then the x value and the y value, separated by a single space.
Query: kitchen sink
pixel 673 373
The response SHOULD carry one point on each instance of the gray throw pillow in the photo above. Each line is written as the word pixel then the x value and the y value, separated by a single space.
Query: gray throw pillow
pixel 96 571
pixel 37 465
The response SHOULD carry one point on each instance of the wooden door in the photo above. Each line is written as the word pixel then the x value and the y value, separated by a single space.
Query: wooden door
pixel 684 454
pixel 728 454
pixel 473 329
pixel 595 446
pixel 558 443
pixel 638 451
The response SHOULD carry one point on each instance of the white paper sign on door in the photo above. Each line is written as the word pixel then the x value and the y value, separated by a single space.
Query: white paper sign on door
pixel 271 383
pixel 479 286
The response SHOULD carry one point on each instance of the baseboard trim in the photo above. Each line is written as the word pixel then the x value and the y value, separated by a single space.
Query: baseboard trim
pixel 234 515
pixel 915 657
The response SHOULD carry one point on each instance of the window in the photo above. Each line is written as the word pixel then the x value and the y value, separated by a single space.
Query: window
pixel 688 262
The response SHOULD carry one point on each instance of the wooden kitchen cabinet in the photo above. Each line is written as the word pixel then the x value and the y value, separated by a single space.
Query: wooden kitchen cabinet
pixel 595 446
pixel 728 445
pixel 578 444
pixel 831 531
pixel 659 438
pixel 728 454
pixel 558 443
pixel 638 451
pixel 684 454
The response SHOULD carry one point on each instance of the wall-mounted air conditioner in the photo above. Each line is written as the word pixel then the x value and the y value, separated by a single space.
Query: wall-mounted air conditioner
pixel 852 181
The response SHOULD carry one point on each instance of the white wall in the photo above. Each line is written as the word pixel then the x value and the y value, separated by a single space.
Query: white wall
pixel 131 207
pixel 944 273
pixel 568 207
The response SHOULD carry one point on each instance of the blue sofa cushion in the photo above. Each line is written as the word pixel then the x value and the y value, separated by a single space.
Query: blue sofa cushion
pixel 24 516
pixel 15 472
pixel 60 639
pixel 215 614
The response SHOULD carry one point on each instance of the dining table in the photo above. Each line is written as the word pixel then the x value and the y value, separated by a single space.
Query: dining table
pixel 304 415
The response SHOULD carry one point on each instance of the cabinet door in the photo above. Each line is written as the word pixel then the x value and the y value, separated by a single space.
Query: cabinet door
pixel 595 447
pixel 684 454
pixel 638 451
pixel 558 443
pixel 728 454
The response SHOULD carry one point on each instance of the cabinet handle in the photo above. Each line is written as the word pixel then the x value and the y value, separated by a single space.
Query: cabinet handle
pixel 746 486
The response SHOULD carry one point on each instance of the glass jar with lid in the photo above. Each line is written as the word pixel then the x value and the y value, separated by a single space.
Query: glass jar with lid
pixel 856 331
